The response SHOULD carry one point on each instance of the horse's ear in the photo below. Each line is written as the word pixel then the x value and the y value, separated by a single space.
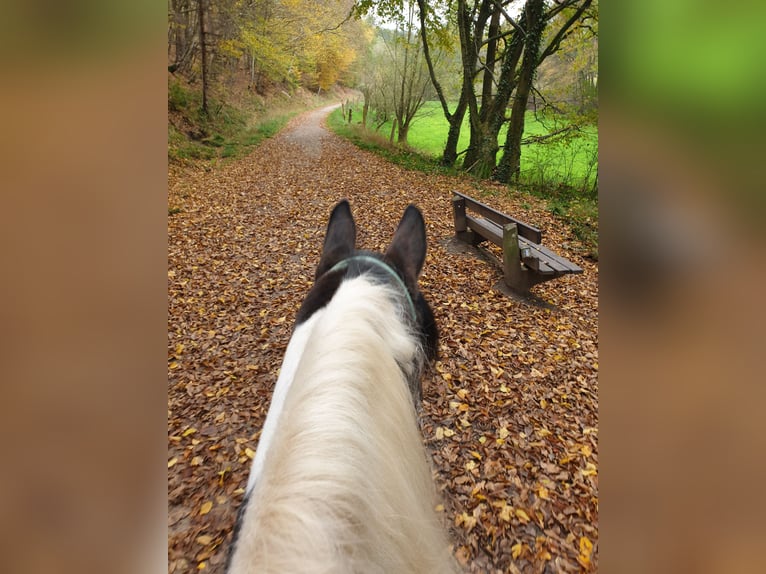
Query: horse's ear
pixel 408 247
pixel 340 240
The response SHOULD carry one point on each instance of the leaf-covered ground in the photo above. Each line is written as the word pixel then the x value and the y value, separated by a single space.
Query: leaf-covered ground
pixel 510 412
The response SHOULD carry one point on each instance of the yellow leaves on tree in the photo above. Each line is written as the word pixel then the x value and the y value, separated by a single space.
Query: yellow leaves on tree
pixel 333 59
pixel 294 41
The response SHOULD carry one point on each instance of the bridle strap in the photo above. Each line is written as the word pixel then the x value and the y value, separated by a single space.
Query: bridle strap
pixel 387 268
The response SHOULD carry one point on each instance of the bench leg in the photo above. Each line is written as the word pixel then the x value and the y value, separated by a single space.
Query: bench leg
pixel 461 224
pixel 515 276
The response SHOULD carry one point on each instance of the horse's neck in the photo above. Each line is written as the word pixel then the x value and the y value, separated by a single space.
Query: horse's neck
pixel 340 480
pixel 359 326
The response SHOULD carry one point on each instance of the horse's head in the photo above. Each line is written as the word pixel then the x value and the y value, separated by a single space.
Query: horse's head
pixel 340 481
pixel 399 267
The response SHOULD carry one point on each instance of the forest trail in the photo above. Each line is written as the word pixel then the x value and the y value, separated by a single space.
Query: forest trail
pixel 510 412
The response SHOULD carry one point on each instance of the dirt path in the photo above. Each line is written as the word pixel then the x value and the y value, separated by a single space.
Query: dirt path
pixel 510 411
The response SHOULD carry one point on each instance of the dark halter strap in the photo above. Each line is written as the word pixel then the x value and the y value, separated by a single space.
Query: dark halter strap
pixel 385 267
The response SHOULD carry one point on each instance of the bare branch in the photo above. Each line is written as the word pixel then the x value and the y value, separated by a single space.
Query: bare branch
pixel 556 41
pixel 558 134
pixel 511 21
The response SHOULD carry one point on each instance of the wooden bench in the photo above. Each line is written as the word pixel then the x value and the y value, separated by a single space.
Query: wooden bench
pixel 525 261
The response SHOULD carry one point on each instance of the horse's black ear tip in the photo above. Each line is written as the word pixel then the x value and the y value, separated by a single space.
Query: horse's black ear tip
pixel 342 205
pixel 413 212
pixel 341 209
pixel 412 208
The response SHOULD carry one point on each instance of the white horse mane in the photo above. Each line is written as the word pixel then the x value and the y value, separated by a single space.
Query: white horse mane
pixel 342 482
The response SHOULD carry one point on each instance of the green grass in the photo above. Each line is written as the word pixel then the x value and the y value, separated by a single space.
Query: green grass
pixel 407 157
pixel 225 132
pixel 571 161
pixel 562 173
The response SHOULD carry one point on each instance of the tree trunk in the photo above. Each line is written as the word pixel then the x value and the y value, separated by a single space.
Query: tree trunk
pixel 404 129
pixel 510 163
pixel 471 32
pixel 455 119
pixel 449 157
pixel 365 107
pixel 252 71
pixel 482 154
pixel 203 53
pixel 481 157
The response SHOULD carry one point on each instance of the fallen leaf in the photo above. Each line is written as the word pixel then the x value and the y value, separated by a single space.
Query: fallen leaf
pixel 505 512
pixel 589 470
pixel 516 550
pixel 467 521
pixel 586 549
pixel 463 555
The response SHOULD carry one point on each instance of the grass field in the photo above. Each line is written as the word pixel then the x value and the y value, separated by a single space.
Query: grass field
pixel 571 162
pixel 564 173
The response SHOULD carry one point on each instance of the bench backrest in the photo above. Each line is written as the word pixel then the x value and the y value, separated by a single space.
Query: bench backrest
pixel 526 231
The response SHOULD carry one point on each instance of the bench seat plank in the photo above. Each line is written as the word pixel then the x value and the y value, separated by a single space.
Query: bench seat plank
pixel 501 219
pixel 556 262
pixel 486 228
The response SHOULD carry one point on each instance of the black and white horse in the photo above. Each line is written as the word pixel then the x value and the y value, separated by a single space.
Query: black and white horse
pixel 341 482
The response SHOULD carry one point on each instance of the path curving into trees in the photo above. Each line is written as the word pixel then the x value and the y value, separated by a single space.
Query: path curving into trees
pixel 510 412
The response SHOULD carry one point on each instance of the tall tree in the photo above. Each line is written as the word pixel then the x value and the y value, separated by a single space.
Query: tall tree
pixel 535 22
pixel 491 34
pixel 182 33
pixel 412 82
pixel 534 26
pixel 454 118
pixel 521 36
pixel 397 79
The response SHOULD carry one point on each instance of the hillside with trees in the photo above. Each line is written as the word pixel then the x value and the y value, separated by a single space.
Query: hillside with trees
pixel 486 62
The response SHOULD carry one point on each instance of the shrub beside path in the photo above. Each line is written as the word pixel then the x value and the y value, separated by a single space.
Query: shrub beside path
pixel 510 411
